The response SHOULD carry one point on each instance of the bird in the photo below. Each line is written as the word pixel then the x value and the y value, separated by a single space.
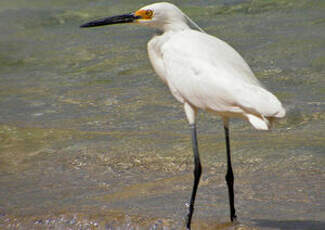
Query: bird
pixel 202 72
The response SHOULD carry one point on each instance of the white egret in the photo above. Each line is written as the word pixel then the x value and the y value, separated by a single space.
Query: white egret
pixel 202 72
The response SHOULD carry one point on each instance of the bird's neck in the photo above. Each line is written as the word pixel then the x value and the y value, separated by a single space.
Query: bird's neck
pixel 174 27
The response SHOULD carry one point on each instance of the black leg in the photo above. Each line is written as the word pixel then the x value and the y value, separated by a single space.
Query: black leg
pixel 230 178
pixel 197 175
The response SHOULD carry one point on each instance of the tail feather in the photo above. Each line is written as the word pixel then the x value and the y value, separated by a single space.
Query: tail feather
pixel 257 100
pixel 260 123
pixel 280 113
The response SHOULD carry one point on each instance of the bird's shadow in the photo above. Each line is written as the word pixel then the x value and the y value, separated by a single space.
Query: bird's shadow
pixel 291 224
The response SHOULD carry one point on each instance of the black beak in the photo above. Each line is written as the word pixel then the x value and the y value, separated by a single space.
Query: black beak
pixel 125 18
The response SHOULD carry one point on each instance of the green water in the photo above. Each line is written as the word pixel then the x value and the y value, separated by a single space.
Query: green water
pixel 90 138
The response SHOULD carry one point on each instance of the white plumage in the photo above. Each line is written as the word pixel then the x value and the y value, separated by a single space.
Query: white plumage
pixel 206 73
pixel 202 72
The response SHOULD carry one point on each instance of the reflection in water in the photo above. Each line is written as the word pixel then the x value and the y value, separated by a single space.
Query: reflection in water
pixel 90 137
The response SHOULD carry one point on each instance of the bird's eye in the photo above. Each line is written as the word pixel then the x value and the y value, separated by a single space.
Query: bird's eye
pixel 149 13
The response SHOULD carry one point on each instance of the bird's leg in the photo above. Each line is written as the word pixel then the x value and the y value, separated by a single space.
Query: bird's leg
pixel 230 177
pixel 197 175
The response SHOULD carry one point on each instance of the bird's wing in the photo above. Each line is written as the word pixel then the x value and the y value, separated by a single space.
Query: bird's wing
pixel 209 74
pixel 212 50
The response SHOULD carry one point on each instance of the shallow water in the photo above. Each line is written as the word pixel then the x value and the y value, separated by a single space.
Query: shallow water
pixel 91 139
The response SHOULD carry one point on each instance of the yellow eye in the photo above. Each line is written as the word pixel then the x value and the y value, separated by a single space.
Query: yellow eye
pixel 144 14
pixel 149 13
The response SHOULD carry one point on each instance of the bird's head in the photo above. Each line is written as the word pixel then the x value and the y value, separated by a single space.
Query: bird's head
pixel 163 15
